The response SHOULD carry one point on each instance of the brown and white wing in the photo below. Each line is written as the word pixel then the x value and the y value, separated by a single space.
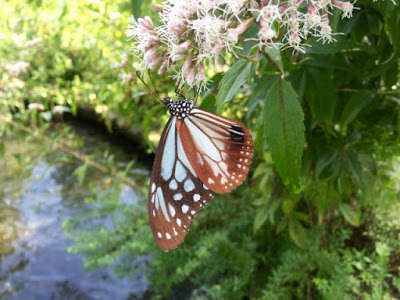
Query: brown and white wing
pixel 176 193
pixel 219 149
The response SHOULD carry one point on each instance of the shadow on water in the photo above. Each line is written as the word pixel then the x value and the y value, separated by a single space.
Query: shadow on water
pixel 34 202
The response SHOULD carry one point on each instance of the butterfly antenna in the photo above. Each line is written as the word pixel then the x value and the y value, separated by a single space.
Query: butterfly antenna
pixel 197 93
pixel 152 82
pixel 178 88
pixel 147 86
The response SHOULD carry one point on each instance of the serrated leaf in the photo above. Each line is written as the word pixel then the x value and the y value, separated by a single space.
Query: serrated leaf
pixel 233 79
pixel 284 131
pixel 350 214
pixel 297 233
pixel 353 107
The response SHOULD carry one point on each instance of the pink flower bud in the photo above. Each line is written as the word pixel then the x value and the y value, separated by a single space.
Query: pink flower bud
pixel 233 33
pixel 164 66
pixel 200 76
pixel 184 46
pixel 187 66
pixel 158 7
pixel 190 77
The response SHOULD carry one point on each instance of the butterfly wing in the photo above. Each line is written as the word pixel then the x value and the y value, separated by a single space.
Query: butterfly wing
pixel 219 149
pixel 176 193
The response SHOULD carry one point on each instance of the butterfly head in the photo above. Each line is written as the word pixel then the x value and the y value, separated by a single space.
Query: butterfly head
pixel 180 109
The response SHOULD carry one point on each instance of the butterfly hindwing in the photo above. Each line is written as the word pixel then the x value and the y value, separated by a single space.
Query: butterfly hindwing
pixel 219 149
pixel 176 194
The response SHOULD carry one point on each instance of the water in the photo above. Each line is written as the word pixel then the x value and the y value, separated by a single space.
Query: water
pixel 34 263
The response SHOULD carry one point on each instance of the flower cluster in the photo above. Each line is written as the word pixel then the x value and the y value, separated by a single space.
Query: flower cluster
pixel 17 69
pixel 193 33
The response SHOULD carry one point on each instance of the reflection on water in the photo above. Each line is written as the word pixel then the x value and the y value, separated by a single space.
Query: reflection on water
pixel 34 263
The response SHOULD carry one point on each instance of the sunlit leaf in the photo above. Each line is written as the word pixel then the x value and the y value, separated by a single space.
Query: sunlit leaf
pixel 233 79
pixel 297 232
pixel 350 214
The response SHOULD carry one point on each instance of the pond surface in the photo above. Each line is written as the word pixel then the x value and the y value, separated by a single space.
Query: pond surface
pixel 34 202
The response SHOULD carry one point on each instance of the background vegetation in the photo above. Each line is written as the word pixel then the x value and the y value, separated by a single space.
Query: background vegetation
pixel 325 227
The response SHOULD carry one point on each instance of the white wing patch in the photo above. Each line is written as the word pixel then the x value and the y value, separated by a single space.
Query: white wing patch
pixel 169 153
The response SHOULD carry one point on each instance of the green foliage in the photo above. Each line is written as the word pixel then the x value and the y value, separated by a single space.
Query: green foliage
pixel 233 79
pixel 284 131
pixel 318 216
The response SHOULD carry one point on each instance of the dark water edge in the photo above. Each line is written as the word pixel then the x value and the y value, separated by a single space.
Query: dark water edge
pixel 34 263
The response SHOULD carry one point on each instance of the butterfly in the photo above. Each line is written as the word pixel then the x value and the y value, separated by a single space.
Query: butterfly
pixel 200 153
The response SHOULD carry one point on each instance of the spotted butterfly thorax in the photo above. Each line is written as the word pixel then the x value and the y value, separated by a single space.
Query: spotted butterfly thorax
pixel 199 154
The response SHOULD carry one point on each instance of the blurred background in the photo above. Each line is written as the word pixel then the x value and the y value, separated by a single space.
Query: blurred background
pixel 78 133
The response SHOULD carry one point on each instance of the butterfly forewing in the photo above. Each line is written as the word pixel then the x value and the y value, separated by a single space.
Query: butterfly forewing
pixel 219 149
pixel 176 194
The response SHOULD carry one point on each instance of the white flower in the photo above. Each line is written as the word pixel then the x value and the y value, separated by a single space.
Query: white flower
pixel 195 32
pixel 17 69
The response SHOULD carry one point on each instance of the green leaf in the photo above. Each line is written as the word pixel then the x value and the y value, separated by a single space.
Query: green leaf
pixel 146 125
pixel 350 214
pixel 2 148
pixel 284 131
pixel 321 96
pixel 342 45
pixel 353 107
pixel 136 6
pixel 354 167
pixel 392 22
pixel 261 217
pixel 233 79
pixel 46 115
pixel 80 172
pixel 297 232
pixel 275 54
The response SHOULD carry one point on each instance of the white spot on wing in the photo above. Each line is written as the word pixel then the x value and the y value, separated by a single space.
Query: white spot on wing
pixel 153 187
pixel 196 197
pixel 185 208
pixel 178 196
pixel 159 235
pixel 173 185
pixel 168 236
pixel 179 222
pixel 188 185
